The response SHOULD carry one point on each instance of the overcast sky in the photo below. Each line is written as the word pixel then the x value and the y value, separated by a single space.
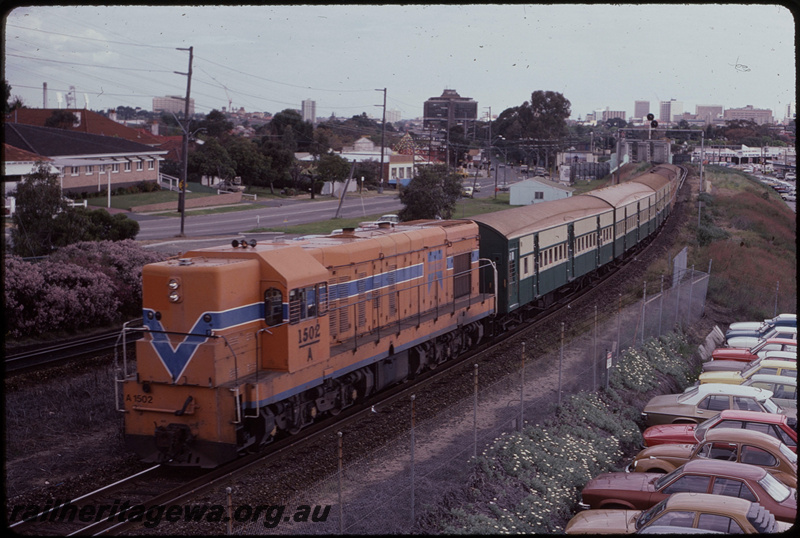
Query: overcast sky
pixel 269 58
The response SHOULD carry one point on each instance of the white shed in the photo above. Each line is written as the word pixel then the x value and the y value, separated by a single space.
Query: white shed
pixel 538 189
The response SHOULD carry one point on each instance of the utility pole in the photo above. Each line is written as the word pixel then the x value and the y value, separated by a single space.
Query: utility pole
pixel 185 151
pixel 383 133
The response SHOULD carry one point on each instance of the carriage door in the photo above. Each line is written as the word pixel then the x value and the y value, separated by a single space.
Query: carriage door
pixel 570 252
pixel 513 278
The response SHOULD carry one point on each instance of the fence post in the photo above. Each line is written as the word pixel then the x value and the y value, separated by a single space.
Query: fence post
pixel 619 323
pixel 691 292
pixel 341 507
pixel 475 417
pixel 594 351
pixel 644 306
pixel 413 413
pixel 661 304
pixel 560 363
pixel 522 389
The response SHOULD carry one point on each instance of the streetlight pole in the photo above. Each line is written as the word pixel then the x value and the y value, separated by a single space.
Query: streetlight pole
pixel 185 150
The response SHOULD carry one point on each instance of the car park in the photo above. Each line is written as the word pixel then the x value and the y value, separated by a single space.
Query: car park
pixel 696 511
pixel 640 491
pixel 750 341
pixel 786 368
pixel 730 444
pixel 784 389
pixel 703 402
pixel 777 425
pixel 739 366
pixel 751 354
pixel 781 320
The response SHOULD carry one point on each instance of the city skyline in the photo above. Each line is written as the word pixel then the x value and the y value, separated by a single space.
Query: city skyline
pixel 274 57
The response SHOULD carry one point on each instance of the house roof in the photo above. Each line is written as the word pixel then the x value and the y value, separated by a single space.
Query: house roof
pixel 89 122
pixel 541 181
pixel 14 154
pixel 51 142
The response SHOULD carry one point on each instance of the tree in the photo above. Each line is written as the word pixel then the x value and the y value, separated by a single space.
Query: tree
pixel 248 162
pixel 279 161
pixel 211 160
pixel 81 224
pixel 61 119
pixel 432 193
pixel 10 105
pixel 38 200
pixel 216 124
pixel 296 134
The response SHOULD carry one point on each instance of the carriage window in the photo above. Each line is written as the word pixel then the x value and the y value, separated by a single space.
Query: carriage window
pixel 273 307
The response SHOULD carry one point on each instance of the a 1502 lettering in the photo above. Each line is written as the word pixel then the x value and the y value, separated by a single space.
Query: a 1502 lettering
pixel 308 335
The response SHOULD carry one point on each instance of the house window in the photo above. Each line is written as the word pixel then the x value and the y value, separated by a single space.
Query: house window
pixel 101 168
pixel 402 173
pixel 538 195
pixel 75 170
pixel 89 169
pixel 151 164
pixel 139 166
pixel 127 166
pixel 408 171
pixel 115 168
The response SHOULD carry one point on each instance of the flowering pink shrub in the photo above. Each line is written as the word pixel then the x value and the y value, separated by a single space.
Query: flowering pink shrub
pixel 121 261
pixel 82 285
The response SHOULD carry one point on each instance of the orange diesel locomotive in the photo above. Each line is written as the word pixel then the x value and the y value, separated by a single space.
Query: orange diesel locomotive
pixel 247 341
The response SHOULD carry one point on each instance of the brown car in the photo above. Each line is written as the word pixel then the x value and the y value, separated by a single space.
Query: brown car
pixel 639 491
pixel 743 446
pixel 698 512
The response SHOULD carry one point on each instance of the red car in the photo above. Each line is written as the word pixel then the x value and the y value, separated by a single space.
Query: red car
pixel 751 354
pixel 640 491
pixel 776 425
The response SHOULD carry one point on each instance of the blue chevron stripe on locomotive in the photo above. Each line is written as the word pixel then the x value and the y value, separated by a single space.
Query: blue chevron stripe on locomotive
pixel 175 359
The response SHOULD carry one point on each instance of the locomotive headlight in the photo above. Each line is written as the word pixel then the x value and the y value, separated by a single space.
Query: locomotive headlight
pixel 174 297
pixel 173 284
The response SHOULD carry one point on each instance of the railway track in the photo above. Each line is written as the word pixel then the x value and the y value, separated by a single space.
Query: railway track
pixel 52 354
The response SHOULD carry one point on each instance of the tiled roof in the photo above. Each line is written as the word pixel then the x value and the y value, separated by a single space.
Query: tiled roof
pixel 90 123
pixel 53 142
pixel 12 154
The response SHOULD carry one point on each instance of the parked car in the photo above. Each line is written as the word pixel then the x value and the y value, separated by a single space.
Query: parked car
pixel 640 491
pixel 777 425
pixel 753 353
pixel 784 389
pixel 730 444
pixel 701 511
pixel 743 339
pixel 389 218
pixel 467 192
pixel 740 366
pixel 704 401
pixel 781 320
pixel 762 366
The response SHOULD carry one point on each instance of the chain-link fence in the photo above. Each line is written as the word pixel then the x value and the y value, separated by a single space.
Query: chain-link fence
pixel 389 490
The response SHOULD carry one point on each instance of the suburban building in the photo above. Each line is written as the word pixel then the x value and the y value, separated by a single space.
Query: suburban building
pixel 708 113
pixel 87 162
pixel 308 110
pixel 758 115
pixel 669 109
pixel 536 190
pixel 448 110
pixel 173 104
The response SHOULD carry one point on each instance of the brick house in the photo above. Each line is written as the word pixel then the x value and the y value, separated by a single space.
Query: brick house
pixel 88 162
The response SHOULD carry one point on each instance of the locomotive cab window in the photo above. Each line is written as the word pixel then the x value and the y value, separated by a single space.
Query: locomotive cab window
pixel 306 303
pixel 273 307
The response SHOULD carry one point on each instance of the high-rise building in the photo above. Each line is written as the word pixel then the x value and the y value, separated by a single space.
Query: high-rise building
pixel 641 109
pixel 309 111
pixel 708 113
pixel 392 115
pixel 759 115
pixel 449 110
pixel 669 109
pixel 611 114
pixel 172 104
